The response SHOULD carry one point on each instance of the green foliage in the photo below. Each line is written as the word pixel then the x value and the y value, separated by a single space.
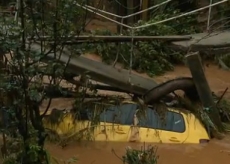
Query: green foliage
pixel 69 161
pixel 225 59
pixel 145 156
pixel 153 57
pixel 23 71
pixel 221 20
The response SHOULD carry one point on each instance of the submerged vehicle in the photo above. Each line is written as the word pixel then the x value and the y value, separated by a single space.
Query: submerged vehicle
pixel 127 123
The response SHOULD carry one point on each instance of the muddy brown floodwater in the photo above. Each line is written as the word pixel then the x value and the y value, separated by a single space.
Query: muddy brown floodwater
pixel 101 152
pixel 213 153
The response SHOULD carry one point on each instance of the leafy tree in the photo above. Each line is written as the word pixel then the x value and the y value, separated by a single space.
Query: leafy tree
pixel 24 66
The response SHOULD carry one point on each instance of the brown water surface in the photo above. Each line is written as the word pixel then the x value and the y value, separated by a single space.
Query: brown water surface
pixel 216 152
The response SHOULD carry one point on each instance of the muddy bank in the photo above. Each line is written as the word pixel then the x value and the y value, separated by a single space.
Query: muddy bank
pixel 101 152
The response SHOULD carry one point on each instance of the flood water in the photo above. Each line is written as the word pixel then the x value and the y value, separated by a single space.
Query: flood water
pixel 101 152
pixel 215 152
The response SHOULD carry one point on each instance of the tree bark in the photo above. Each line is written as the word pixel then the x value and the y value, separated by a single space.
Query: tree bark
pixel 203 89
pixel 185 83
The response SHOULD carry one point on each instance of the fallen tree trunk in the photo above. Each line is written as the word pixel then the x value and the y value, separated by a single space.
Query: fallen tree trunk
pixel 186 84
pixel 213 43
pixel 119 78
pixel 54 92
pixel 118 38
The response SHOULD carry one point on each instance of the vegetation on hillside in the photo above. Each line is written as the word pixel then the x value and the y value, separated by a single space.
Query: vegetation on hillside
pixel 157 57
pixel 154 57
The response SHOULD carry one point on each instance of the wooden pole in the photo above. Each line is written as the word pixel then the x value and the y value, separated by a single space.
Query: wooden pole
pixel 122 11
pixel 123 38
pixel 203 89
pixel 136 9
pixel 145 5
pixel 131 10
